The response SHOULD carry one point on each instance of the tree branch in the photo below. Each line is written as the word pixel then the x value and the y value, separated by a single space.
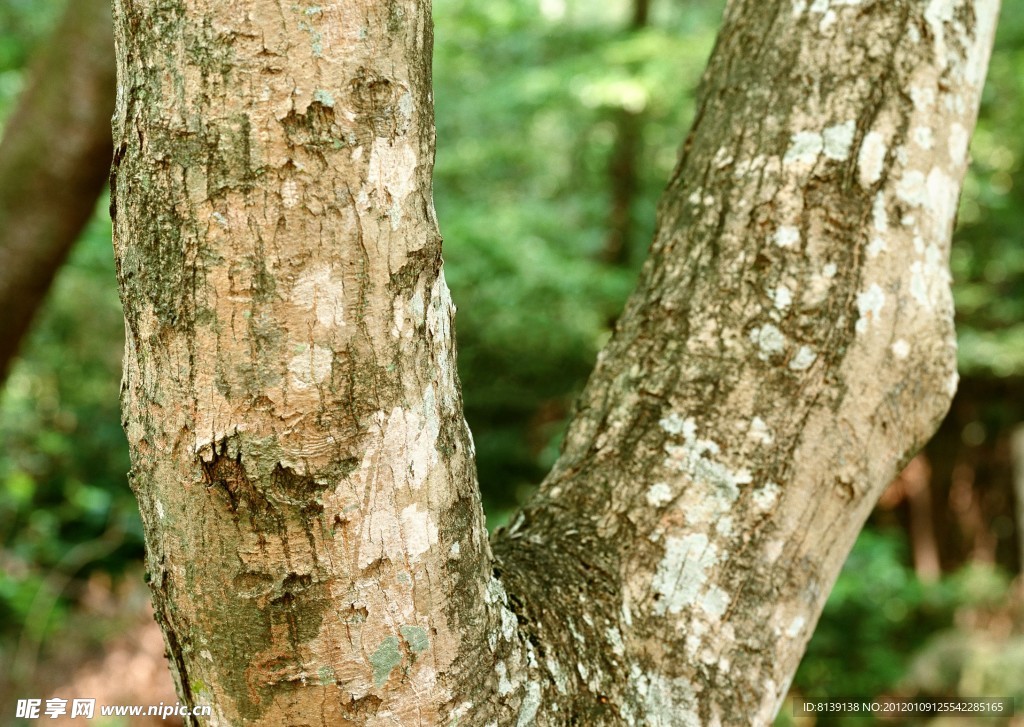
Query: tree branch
pixel 789 346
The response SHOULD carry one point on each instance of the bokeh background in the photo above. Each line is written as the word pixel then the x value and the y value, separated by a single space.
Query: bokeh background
pixel 558 122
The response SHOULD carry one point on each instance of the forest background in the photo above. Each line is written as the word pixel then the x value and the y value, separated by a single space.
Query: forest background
pixel 557 126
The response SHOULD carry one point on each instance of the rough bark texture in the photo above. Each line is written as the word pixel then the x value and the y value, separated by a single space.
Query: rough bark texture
pixel 314 534
pixel 53 162
pixel 315 539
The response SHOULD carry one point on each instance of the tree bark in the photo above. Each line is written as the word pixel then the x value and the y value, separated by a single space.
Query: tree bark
pixel 315 541
pixel 54 157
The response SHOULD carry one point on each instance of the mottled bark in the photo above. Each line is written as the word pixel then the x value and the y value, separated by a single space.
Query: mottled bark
pixel 789 346
pixel 53 162
pixel 315 541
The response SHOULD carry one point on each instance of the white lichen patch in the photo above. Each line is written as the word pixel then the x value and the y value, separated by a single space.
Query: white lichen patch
pixel 440 310
pixel 405 106
pixel 803 359
pixel 311 366
pixel 530 705
pixel 419 531
pixel 392 172
pixel 871 159
pixel 929 278
pixel 694 457
pixel 675 424
pixel 838 139
pixel 769 340
pixel 381 537
pixel 786 236
pixel 923 137
pixel 912 188
pixel 869 305
pixel 943 194
pixel 957 143
pixel 952 383
pixel 759 431
pixel 938 14
pixel 410 436
pixel 667 702
pixel 923 98
pixel 765 497
pixel 879 215
pixel 683 572
pixel 795 627
pixel 614 637
pixel 900 349
pixel 495 592
pixel 659 494
pixel 876 247
pixel 324 98
pixel 508 624
pixel 746 167
pixel 289 193
pixel 715 602
pixel 827 21
pixel 782 297
pixel 505 687
pixel 804 148
pixel 321 291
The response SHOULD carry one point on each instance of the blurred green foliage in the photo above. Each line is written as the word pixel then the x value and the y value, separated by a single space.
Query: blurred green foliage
pixel 529 96
pixel 988 253
pixel 879 602
pixel 886 633
pixel 63 464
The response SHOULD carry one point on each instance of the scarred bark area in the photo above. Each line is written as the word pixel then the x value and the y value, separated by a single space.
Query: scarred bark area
pixel 313 527
pixel 314 534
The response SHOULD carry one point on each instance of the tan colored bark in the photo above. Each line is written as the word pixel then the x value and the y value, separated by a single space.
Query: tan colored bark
pixel 315 539
pixel 313 526
pixel 53 162
pixel 789 347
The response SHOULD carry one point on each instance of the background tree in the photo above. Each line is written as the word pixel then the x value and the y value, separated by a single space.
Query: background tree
pixel 53 153
pixel 314 534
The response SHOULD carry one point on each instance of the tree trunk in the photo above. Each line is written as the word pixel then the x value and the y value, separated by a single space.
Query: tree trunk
pixel 53 162
pixel 315 541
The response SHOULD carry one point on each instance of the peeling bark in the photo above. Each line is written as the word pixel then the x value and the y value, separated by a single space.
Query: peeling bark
pixel 315 540
pixel 53 163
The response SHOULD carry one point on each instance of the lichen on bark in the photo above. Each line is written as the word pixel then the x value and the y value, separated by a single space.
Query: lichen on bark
pixel 314 534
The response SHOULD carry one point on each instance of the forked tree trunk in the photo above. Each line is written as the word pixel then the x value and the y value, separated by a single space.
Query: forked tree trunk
pixel 315 541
